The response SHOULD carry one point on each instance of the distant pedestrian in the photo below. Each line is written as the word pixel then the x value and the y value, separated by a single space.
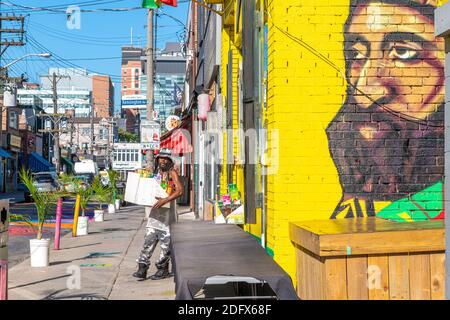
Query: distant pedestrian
pixel 160 218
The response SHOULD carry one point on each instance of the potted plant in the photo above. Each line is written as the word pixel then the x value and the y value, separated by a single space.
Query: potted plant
pixel 113 188
pixel 85 192
pixel 102 194
pixel 67 181
pixel 43 201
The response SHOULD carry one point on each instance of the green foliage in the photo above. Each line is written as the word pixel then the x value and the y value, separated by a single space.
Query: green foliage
pixel 127 136
pixel 86 193
pixel 101 193
pixel 44 201
pixel 69 183
pixel 113 176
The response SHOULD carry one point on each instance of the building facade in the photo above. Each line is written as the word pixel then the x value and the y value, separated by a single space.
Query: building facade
pixel 102 96
pixel 342 127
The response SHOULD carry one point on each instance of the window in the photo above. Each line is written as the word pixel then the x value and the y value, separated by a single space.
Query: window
pixel 103 134
pixel 86 131
pixel 13 120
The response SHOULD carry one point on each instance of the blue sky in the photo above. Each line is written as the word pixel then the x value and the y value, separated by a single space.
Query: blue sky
pixel 96 45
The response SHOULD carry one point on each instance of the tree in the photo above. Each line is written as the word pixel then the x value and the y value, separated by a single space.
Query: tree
pixel 127 136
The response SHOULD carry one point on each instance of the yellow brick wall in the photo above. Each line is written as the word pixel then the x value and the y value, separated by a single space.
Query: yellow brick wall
pixel 304 94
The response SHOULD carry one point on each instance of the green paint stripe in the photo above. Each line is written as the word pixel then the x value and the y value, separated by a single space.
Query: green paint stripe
pixel 268 250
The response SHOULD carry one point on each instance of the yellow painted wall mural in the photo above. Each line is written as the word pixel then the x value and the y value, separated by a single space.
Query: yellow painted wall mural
pixel 355 91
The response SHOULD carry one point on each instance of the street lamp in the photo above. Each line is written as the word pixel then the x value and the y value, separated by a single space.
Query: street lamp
pixel 3 76
pixel 43 55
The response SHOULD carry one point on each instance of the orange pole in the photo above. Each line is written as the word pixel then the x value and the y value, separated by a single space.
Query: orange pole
pixel 75 216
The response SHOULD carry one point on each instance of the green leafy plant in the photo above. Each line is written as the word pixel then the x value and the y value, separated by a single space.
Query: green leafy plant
pixel 68 182
pixel 113 175
pixel 102 193
pixel 43 201
pixel 86 193
pixel 127 136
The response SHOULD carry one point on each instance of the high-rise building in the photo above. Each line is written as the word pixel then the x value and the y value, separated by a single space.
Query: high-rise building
pixel 170 69
pixel 102 96
pixel 134 99
pixel 132 70
pixel 77 92
pixel 170 73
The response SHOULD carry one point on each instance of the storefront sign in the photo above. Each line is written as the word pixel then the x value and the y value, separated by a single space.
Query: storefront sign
pixel 15 141
pixel 126 166
pixel 150 134
pixel 134 102
pixel 172 122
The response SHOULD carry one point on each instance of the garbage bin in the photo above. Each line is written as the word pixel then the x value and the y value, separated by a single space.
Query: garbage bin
pixel 236 288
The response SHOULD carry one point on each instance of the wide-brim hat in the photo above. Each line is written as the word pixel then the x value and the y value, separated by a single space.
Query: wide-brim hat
pixel 164 153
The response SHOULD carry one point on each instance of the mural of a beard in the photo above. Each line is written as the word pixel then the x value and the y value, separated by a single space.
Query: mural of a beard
pixel 400 158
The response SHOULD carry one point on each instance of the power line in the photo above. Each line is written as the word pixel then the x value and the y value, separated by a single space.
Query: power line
pixel 64 11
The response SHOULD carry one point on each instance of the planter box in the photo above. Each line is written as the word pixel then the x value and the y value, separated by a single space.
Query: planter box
pixel 369 258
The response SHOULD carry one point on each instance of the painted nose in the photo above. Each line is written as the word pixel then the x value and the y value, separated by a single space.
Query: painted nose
pixel 372 85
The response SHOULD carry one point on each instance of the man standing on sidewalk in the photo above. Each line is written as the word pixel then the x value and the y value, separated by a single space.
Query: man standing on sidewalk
pixel 161 216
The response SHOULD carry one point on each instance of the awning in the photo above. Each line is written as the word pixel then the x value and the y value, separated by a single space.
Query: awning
pixel 68 163
pixel 177 142
pixel 5 154
pixel 38 163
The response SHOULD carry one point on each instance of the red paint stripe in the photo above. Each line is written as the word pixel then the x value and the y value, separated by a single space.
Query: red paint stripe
pixel 3 279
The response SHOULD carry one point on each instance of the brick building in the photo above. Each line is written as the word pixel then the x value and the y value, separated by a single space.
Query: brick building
pixel 350 94
pixel 102 96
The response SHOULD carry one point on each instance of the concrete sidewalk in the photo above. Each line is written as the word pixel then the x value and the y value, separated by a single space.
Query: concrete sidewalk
pixel 96 266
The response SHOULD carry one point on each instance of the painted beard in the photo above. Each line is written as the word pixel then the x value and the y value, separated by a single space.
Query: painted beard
pixel 380 156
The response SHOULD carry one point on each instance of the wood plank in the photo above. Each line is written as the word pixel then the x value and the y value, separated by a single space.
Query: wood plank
pixel 315 277
pixel 378 277
pixel 301 285
pixel 419 277
pixel 367 236
pixel 398 277
pixel 357 288
pixel 304 238
pixel 363 225
pixel 437 279
pixel 383 242
pixel 336 278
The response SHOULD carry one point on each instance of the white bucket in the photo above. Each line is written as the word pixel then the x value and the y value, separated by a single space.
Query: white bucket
pixel 117 204
pixel 111 208
pixel 98 215
pixel 82 227
pixel 40 252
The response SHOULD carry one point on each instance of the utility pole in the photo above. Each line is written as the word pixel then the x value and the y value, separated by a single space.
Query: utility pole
pixel 55 118
pixel 4 44
pixel 92 136
pixel 56 124
pixel 150 80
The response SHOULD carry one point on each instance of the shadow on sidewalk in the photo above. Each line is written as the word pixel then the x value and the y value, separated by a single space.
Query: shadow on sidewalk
pixel 36 282
pixel 84 296
pixel 86 245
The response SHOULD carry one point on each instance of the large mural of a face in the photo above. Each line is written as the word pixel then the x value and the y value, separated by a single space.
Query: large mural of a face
pixel 387 140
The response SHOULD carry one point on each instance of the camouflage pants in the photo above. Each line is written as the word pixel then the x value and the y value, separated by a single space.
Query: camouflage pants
pixel 152 237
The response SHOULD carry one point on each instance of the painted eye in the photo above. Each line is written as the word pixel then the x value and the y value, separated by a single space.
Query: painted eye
pixel 356 53
pixel 403 53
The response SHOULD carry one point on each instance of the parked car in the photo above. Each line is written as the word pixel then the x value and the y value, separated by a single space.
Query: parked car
pixel 44 182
